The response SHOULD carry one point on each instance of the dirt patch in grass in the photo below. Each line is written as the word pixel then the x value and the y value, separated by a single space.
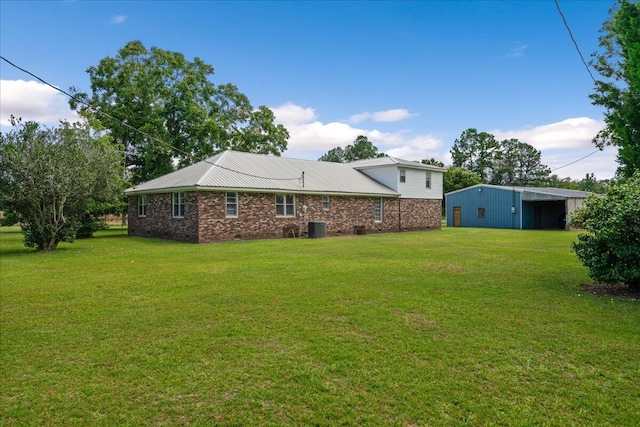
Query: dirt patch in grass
pixel 620 291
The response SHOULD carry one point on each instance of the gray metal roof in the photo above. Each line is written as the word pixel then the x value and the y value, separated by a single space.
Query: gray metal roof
pixel 393 161
pixel 532 193
pixel 554 192
pixel 234 170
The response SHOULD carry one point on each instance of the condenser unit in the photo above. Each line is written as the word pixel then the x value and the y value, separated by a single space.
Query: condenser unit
pixel 317 229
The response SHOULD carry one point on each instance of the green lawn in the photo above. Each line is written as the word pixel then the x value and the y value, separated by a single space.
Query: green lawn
pixel 452 327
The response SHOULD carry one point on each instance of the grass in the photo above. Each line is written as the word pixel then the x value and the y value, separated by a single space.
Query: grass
pixel 451 327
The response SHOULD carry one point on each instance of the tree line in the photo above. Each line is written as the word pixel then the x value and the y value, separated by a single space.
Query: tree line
pixel 479 158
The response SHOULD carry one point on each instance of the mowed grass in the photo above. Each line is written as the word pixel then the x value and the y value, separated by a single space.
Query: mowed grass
pixel 452 327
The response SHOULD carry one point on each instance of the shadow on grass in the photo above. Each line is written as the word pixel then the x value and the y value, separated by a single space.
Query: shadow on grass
pixel 26 251
pixel 11 230
pixel 12 243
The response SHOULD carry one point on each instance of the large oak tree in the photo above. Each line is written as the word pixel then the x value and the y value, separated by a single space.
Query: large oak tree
pixel 165 109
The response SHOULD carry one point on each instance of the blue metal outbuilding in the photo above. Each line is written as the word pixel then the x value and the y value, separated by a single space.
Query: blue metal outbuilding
pixel 493 206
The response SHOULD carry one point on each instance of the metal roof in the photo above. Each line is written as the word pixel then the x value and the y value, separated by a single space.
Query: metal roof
pixel 393 161
pixel 234 170
pixel 532 193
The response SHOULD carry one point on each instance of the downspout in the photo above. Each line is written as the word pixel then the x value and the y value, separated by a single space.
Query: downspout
pixel 399 217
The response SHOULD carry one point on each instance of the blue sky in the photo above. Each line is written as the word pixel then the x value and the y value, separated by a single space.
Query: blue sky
pixel 411 76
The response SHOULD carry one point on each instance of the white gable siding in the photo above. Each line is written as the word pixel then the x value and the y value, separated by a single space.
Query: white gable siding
pixel 414 186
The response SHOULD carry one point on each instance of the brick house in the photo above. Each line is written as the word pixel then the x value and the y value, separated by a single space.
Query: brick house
pixel 235 195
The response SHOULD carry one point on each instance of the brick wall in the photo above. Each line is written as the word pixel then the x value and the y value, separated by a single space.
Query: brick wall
pixel 256 215
pixel 421 214
pixel 347 212
pixel 205 220
pixel 160 223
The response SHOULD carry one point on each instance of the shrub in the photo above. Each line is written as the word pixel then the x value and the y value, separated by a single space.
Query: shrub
pixel 610 246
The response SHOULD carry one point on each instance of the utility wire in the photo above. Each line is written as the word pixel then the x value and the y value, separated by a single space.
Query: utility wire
pixel 125 124
pixel 575 43
pixel 576 161
pixel 586 66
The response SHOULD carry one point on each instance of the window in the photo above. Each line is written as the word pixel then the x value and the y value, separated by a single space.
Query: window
pixel 377 210
pixel 285 205
pixel 178 205
pixel 232 205
pixel 428 180
pixel 326 203
pixel 481 213
pixel 142 205
pixel 403 175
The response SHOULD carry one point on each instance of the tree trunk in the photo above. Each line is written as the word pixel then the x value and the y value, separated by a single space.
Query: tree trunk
pixel 48 246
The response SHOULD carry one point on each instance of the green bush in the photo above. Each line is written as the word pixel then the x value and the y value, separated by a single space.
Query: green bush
pixel 610 248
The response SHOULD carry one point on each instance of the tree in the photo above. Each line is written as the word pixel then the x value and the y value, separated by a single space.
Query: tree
pixel 456 178
pixel 610 247
pixel 49 178
pixel 335 155
pixel 362 148
pixel 508 162
pixel 432 162
pixel 591 184
pixel 518 163
pixel 163 108
pixel 475 151
pixel 619 63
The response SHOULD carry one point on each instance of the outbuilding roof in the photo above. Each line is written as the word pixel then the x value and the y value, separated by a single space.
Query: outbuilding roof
pixel 238 171
pixel 393 161
pixel 534 193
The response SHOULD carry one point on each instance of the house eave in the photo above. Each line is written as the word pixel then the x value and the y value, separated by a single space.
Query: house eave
pixel 135 192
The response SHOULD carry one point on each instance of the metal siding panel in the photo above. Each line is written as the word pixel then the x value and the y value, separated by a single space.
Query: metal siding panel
pixel 497 203
pixel 528 217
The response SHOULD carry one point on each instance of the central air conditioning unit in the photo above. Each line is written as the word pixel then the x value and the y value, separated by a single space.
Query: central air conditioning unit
pixel 317 229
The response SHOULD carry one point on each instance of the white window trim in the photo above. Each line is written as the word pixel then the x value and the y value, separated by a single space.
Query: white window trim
pixel 428 180
pixel 326 203
pixel 403 176
pixel 142 206
pixel 284 204
pixel 226 204
pixel 176 198
pixel 376 210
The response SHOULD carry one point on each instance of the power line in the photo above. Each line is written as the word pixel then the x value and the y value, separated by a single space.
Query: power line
pixel 125 124
pixel 576 161
pixel 575 43
pixel 586 66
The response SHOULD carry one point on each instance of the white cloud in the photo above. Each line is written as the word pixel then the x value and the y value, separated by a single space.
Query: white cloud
pixel 33 101
pixel 517 51
pixel 567 141
pixel 292 114
pixel 568 134
pixel 310 137
pixel 394 115
pixel 118 19
pixel 418 148
pixel 601 163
